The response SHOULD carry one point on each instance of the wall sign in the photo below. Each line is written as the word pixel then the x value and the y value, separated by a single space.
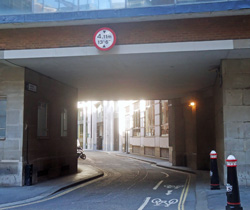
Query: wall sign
pixel 104 39
pixel 30 87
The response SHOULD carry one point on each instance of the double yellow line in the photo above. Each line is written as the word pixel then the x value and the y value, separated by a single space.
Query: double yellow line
pixel 52 197
pixel 184 193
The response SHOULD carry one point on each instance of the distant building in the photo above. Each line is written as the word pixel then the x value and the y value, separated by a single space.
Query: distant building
pixel 98 125
pixel 139 127
pixel 147 128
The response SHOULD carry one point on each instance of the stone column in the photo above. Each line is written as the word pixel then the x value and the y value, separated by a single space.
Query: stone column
pixel 236 115
pixel 157 129
pixel 14 145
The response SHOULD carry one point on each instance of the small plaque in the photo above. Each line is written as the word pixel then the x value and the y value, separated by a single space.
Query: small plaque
pixel 31 87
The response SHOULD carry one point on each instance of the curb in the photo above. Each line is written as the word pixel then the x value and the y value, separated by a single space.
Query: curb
pixel 90 178
pixel 44 195
pixel 159 164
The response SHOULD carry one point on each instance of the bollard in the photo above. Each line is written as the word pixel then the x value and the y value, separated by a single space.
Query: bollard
pixel 214 175
pixel 28 174
pixel 233 195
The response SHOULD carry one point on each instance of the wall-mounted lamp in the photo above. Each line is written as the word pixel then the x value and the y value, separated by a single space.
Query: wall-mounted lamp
pixel 192 104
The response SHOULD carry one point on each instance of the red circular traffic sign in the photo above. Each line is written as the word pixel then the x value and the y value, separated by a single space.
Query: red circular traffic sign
pixel 104 39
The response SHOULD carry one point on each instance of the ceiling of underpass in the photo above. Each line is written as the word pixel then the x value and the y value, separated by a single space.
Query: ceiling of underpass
pixel 134 76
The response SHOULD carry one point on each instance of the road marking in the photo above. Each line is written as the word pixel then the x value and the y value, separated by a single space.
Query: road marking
pixel 145 203
pixel 158 185
pixel 184 194
pixel 165 203
pixel 165 174
pixel 175 187
pixel 169 192
pixel 55 196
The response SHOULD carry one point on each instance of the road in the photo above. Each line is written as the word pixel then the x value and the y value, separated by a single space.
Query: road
pixel 127 184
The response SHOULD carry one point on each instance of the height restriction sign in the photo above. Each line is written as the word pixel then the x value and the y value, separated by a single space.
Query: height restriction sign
pixel 104 39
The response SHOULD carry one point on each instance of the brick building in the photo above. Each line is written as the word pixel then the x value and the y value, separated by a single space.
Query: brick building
pixel 180 51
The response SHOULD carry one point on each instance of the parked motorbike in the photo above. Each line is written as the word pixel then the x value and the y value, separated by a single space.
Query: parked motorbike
pixel 80 153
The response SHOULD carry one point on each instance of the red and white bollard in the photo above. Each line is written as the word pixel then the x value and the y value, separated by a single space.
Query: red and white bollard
pixel 214 175
pixel 233 195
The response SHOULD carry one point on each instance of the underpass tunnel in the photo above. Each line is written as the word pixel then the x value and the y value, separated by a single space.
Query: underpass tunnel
pixel 164 126
pixel 40 92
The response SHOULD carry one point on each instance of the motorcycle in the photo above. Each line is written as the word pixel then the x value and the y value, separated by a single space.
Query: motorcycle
pixel 80 153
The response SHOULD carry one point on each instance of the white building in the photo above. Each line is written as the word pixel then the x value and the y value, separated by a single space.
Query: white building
pixel 139 127
pixel 98 125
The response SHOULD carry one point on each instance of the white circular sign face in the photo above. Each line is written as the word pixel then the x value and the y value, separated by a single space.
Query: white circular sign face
pixel 104 39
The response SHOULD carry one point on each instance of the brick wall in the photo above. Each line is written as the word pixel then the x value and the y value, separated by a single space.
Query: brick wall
pixel 217 28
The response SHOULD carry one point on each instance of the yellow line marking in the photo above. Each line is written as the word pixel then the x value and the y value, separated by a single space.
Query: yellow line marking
pixel 179 205
pixel 53 197
pixel 184 194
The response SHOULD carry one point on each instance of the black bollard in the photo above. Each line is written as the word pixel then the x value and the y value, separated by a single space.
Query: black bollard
pixel 233 195
pixel 28 174
pixel 214 175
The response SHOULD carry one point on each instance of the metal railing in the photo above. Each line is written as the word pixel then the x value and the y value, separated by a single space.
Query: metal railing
pixel 13 7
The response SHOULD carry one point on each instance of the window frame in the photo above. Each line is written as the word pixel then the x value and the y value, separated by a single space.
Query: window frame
pixel 136 120
pixel 64 122
pixel 161 118
pixel 150 109
pixel 127 118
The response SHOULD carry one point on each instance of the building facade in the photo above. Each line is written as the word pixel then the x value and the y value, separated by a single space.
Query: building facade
pixel 147 128
pixel 98 125
pixel 180 51
pixel 37 126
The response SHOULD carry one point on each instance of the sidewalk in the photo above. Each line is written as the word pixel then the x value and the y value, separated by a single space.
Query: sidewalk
pixel 18 195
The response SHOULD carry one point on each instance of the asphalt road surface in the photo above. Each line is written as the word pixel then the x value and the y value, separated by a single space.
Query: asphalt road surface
pixel 128 184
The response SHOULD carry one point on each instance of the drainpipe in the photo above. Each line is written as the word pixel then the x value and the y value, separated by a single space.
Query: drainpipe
pixel 28 167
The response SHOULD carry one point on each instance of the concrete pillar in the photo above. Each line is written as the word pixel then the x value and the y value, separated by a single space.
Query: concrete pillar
pixel 157 128
pixel 190 135
pixel 205 128
pixel 11 148
pixel 176 133
pixel 236 116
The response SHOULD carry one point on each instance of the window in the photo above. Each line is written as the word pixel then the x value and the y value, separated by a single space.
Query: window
pixel 99 108
pixel 42 125
pixel 150 119
pixel 80 116
pixel 64 122
pixel 80 131
pixel 164 118
pixel 136 119
pixel 127 118
pixel 3 106
pixel 15 7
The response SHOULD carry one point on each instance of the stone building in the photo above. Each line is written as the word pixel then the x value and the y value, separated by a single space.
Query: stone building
pixel 180 51
pixel 37 126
